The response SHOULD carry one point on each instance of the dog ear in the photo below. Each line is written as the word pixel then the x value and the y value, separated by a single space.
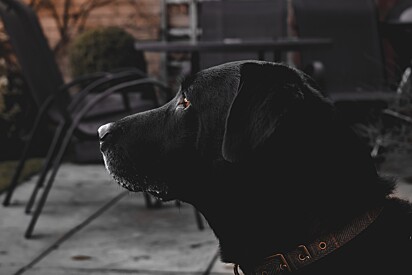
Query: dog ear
pixel 266 91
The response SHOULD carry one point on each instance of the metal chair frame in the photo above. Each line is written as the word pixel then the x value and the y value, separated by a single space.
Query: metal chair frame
pixel 70 110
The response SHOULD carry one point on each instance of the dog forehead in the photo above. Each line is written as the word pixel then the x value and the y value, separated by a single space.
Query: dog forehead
pixel 218 79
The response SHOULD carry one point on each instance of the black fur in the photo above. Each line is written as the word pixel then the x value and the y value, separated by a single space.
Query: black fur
pixel 269 163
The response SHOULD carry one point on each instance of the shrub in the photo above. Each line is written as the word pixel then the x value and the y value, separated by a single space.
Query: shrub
pixel 104 49
pixel 16 107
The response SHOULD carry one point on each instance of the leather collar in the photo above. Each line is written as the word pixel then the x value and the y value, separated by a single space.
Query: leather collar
pixel 303 255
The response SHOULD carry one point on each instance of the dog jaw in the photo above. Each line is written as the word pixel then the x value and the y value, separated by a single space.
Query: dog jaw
pixel 134 181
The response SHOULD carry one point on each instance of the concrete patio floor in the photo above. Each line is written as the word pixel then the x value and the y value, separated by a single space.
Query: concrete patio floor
pixel 91 226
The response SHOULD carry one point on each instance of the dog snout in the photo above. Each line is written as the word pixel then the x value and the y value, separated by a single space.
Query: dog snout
pixel 104 131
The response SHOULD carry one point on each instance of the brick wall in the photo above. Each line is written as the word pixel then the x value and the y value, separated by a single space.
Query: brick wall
pixel 140 17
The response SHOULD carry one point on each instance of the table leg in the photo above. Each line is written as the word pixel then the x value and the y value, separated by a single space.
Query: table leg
pixel 194 62
pixel 277 56
pixel 261 55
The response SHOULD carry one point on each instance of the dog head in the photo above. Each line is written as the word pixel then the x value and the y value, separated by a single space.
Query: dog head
pixel 241 140
pixel 160 151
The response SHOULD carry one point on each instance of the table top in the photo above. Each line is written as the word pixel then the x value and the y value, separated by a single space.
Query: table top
pixel 395 25
pixel 234 45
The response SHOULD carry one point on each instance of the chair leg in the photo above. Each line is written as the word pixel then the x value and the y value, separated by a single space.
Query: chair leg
pixel 46 165
pixel 149 203
pixel 148 200
pixel 39 184
pixel 198 216
pixel 55 168
pixel 17 173
pixel 158 203
pixel 199 220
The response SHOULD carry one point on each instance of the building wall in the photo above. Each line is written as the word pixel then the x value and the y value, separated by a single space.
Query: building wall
pixel 140 17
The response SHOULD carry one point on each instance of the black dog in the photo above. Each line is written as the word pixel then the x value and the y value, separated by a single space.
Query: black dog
pixel 283 182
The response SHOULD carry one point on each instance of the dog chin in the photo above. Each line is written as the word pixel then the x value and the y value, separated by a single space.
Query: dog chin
pixel 136 182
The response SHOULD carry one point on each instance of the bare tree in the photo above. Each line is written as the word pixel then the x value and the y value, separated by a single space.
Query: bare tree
pixel 69 16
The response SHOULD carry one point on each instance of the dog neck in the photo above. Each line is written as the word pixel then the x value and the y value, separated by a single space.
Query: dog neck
pixel 305 254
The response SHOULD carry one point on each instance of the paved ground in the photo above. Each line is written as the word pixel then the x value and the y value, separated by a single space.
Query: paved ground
pixel 92 226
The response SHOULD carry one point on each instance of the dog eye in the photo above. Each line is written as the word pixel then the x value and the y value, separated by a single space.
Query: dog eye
pixel 184 103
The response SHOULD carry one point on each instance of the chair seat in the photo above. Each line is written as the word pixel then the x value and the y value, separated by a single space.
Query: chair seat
pixel 362 96
pixel 109 110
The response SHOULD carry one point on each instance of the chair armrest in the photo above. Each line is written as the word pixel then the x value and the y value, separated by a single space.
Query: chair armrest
pixel 82 79
pixel 94 76
pixel 316 70
pixel 106 79
pixel 122 69
pixel 79 114
pixel 398 116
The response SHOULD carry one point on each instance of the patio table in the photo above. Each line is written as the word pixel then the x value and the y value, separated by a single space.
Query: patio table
pixel 277 46
pixel 399 34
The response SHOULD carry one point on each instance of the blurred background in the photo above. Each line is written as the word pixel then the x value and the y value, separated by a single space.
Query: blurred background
pixel 58 56
pixel 81 34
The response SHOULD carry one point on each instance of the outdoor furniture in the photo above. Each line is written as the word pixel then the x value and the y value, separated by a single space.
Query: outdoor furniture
pixel 79 115
pixel 352 72
pixel 393 130
pixel 397 28
pixel 258 47
pixel 401 11
pixel 233 20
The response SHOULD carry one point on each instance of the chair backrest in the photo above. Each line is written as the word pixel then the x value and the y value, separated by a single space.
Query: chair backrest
pixel 355 63
pixel 401 11
pixel 399 34
pixel 33 52
pixel 239 19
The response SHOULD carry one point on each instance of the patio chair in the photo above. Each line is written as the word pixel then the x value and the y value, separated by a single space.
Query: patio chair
pixel 401 11
pixel 103 97
pixel 393 131
pixel 397 27
pixel 231 20
pixel 352 72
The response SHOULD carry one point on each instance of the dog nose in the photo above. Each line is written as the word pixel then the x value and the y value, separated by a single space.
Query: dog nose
pixel 104 131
